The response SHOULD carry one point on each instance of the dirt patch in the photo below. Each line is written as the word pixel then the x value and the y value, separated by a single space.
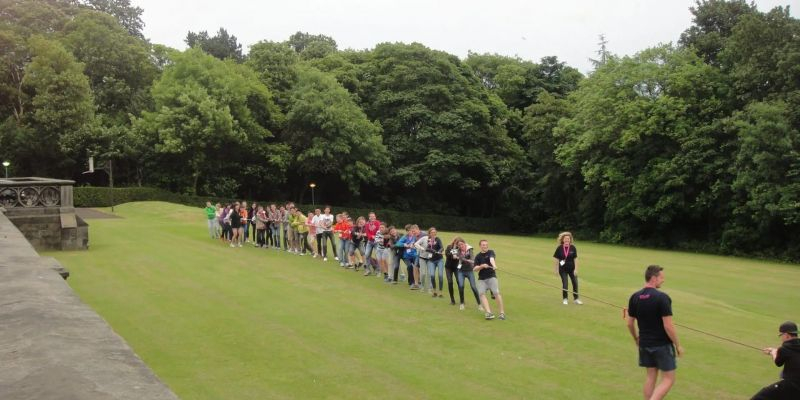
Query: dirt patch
pixel 91 213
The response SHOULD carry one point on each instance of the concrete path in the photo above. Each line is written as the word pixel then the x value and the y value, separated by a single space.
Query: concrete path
pixel 52 345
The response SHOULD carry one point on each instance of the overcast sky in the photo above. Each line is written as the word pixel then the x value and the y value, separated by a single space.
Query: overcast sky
pixel 529 29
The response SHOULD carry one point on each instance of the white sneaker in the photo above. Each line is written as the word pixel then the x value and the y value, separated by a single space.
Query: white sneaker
pixel 480 308
pixel 240 245
pixel 233 245
pixel 336 258
pixel 578 302
pixel 315 256
pixel 324 258
pixel 565 302
pixel 461 307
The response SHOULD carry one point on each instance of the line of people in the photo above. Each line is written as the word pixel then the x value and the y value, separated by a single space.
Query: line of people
pixel 365 244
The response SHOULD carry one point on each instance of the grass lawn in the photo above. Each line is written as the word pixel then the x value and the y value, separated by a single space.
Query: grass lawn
pixel 221 323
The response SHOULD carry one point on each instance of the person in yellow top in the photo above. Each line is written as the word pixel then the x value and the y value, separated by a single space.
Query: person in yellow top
pixel 298 222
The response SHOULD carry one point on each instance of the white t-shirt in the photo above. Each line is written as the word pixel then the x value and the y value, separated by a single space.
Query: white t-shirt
pixel 325 223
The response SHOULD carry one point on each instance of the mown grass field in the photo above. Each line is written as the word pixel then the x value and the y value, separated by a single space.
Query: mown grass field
pixel 221 323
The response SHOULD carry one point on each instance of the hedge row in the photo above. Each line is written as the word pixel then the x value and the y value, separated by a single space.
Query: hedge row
pixel 101 197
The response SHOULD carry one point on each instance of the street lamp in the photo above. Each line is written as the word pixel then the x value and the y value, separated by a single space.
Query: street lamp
pixel 6 164
pixel 312 185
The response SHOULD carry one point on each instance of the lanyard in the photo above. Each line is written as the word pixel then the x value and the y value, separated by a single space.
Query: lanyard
pixel 565 250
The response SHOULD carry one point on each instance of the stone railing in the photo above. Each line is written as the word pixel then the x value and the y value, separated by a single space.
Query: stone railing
pixel 35 192
pixel 42 209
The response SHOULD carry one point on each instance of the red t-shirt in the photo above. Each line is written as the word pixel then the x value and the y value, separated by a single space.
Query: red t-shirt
pixel 346 230
pixel 371 228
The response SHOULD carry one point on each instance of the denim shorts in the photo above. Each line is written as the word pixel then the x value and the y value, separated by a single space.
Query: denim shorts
pixel 661 357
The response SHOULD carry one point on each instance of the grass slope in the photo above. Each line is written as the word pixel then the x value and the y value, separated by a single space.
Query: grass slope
pixel 221 323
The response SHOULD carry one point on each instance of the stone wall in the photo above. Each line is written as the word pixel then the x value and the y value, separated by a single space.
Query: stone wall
pixel 52 345
pixel 42 209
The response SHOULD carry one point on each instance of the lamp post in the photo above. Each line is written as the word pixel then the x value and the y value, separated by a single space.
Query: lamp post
pixel 312 185
pixel 6 164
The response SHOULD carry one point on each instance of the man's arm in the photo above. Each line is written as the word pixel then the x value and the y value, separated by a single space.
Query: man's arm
pixel 632 328
pixel 670 329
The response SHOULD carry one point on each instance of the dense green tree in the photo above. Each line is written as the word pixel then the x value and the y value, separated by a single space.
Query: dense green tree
pixel 222 45
pixel 302 41
pixel 766 200
pixel 330 134
pixel 60 109
pixel 645 136
pixel 118 65
pixel 762 55
pixel 129 16
pixel 444 130
pixel 211 118
pixel 275 65
pixel 713 22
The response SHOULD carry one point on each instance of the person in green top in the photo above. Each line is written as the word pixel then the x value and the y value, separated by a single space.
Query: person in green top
pixel 301 232
pixel 211 214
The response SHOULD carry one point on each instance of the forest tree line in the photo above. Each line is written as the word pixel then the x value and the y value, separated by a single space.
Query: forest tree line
pixel 686 145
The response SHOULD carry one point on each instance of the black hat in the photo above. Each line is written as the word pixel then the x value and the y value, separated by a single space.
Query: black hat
pixel 788 327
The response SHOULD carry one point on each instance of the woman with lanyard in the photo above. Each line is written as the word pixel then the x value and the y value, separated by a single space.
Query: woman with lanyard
pixel 566 264
pixel 430 251
pixel 450 264
pixel 466 264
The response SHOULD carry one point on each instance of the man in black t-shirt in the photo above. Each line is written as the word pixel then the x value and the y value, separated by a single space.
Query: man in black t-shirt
pixel 487 279
pixel 788 357
pixel 657 339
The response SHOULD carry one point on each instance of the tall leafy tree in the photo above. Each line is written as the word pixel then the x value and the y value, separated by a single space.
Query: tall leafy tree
pixel 275 65
pixel 129 16
pixel 60 108
pixel 712 24
pixel 330 135
pixel 443 128
pixel 222 45
pixel 211 116
pixel 645 135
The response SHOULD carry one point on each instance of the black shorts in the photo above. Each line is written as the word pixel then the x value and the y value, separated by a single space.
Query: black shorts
pixel 661 357
pixel 781 390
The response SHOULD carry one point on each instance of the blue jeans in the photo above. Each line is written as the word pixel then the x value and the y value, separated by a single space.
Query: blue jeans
pixel 410 262
pixel 433 266
pixel 276 235
pixel 368 255
pixel 344 247
pixel 460 274
pixel 212 228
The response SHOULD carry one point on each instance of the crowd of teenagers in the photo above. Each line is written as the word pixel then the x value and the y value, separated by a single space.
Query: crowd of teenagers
pixel 366 244
pixel 378 249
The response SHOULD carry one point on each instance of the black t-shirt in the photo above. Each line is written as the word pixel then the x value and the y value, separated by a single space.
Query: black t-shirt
pixel 648 306
pixel 435 248
pixel 789 358
pixel 569 258
pixel 357 235
pixel 483 258
pixel 450 261
pixel 236 220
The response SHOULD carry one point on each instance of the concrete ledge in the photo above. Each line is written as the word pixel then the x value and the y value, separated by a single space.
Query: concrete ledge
pixel 53 346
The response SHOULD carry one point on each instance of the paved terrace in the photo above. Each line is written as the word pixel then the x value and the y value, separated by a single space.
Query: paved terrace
pixel 52 346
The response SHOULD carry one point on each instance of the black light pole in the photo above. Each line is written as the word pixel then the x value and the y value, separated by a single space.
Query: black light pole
pixel 312 185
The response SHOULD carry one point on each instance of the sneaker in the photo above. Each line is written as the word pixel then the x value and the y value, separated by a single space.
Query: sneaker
pixel 480 308
pixel 452 303
pixel 441 295
pixel 324 258
pixel 233 245
pixel 315 256
pixel 414 287
pixel 240 245
pixel 578 302
pixel 502 316
pixel 367 273
pixel 434 296
pixel 461 307
pixel 489 316
pixel 336 258
pixel 565 302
